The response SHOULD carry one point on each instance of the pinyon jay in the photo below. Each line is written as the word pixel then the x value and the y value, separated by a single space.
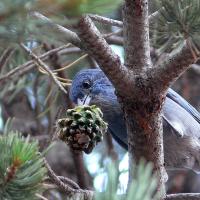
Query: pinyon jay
pixel 181 121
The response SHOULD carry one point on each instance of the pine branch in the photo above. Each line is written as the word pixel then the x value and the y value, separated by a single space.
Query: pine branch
pixel 46 67
pixel 144 127
pixel 72 194
pixel 69 182
pixel 28 66
pixel 173 66
pixel 81 171
pixel 68 35
pixel 179 20
pixel 105 20
pixel 108 21
pixel 117 40
pixel 5 57
pixel 40 196
pixel 97 47
pixel 183 196
pixel 22 170
pixel 136 33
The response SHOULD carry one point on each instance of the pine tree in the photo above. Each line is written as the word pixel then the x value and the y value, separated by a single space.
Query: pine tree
pixel 25 33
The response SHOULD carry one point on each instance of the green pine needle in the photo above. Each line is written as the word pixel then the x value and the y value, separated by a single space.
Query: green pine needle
pixel 179 21
pixel 21 168
pixel 143 186
pixel 13 20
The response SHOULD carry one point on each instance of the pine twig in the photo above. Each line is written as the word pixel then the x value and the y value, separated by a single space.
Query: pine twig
pixel 117 40
pixel 69 182
pixel 183 196
pixel 73 193
pixel 39 62
pixel 68 34
pixel 65 187
pixel 172 66
pixel 97 47
pixel 118 32
pixel 105 20
pixel 71 64
pixel 82 176
pixel 113 22
pixel 40 196
pixel 5 57
pixel 28 66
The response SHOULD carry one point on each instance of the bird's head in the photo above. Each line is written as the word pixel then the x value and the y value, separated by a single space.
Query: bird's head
pixel 91 86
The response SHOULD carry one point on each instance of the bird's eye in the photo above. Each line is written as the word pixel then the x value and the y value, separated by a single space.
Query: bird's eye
pixel 86 84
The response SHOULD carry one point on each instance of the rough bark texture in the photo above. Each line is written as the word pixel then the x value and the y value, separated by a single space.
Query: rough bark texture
pixel 142 108
pixel 145 132
pixel 138 92
pixel 97 47
pixel 186 196
pixel 172 67
pixel 136 32
pixel 140 87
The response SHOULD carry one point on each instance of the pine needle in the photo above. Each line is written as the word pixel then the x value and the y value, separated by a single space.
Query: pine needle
pixel 71 64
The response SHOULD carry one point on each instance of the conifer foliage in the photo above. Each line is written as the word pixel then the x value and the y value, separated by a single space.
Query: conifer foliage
pixel 21 168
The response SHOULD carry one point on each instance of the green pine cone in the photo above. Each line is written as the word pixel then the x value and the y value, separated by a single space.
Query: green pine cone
pixel 82 128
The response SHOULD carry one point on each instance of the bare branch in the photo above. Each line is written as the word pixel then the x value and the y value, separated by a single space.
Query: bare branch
pixel 74 194
pixel 46 67
pixel 154 16
pixel 118 32
pixel 115 40
pixel 69 35
pixel 69 182
pixel 69 50
pixel 136 35
pixel 97 47
pixel 183 196
pixel 81 172
pixel 5 57
pixel 172 67
pixel 144 128
pixel 25 68
pixel 113 22
pixel 56 179
pixel 40 196
pixel 105 20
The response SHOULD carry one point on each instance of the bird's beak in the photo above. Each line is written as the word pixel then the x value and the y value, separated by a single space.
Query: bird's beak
pixel 84 101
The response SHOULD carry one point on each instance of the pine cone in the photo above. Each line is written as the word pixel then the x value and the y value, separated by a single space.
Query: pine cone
pixel 82 128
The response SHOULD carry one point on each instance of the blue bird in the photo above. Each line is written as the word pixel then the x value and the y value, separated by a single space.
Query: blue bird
pixel 181 121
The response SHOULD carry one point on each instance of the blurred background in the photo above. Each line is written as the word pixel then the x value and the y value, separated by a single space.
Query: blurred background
pixel 31 102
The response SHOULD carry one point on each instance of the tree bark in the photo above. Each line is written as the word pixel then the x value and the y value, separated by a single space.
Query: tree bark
pixel 93 41
pixel 141 97
pixel 167 72
pixel 142 108
pixel 136 35
pixel 140 87
pixel 183 196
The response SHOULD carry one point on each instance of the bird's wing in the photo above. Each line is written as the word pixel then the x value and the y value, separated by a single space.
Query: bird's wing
pixel 121 142
pixel 184 104
pixel 179 118
pixel 117 128
pixel 112 114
